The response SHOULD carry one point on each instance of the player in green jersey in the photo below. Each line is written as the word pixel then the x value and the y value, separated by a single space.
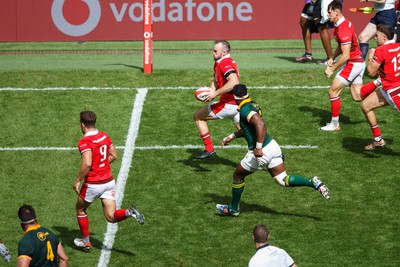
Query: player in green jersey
pixel 39 246
pixel 263 152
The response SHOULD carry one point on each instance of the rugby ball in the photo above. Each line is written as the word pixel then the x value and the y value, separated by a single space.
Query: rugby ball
pixel 202 93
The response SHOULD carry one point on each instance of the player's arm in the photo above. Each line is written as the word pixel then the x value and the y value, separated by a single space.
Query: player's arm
pixel 86 164
pixel 345 55
pixel 62 256
pixel 112 154
pixel 230 137
pixel 23 261
pixel 232 80
pixel 373 66
pixel 259 124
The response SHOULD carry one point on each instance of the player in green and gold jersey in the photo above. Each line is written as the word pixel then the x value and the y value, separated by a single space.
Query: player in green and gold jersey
pixel 39 246
pixel 263 151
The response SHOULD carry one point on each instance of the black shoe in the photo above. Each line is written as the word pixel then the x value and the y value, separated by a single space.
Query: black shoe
pixel 205 154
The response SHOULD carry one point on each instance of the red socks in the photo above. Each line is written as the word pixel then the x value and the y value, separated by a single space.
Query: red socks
pixel 120 215
pixel 367 89
pixel 335 106
pixel 83 222
pixel 376 132
pixel 207 142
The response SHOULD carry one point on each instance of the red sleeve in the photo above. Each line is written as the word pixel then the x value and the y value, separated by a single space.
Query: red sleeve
pixel 84 146
pixel 379 55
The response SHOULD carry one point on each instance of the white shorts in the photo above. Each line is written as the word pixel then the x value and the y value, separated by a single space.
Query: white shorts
pixel 392 96
pixel 90 192
pixel 351 73
pixel 220 110
pixel 272 157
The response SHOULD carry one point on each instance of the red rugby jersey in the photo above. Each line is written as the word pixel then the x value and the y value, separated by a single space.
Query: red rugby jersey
pixel 388 56
pixel 222 69
pixel 99 143
pixel 345 34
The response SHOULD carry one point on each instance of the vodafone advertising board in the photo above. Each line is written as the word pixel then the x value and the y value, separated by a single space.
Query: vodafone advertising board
pixel 90 20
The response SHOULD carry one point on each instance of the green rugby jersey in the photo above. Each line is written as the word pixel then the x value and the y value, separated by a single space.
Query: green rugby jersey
pixel 39 245
pixel 246 109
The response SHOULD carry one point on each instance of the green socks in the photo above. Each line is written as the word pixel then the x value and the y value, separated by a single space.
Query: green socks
pixel 294 180
pixel 237 190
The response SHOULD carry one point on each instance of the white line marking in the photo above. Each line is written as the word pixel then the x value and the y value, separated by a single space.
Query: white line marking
pixel 152 88
pixel 123 174
pixel 145 147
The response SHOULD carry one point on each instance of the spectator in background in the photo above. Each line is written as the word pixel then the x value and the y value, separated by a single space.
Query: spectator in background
pixel 398 23
pixel 308 27
pixel 267 255
pixel 385 14
pixel 39 246
pixel 314 18
pixel 384 59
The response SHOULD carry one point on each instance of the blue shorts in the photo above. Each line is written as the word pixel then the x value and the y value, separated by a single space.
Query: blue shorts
pixel 387 17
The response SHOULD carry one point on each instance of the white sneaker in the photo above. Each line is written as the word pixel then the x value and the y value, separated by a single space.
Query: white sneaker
pixel 330 127
pixel 4 252
pixel 319 185
pixel 135 213
pixel 80 243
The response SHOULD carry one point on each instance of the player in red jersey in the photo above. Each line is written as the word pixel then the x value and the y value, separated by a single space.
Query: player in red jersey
pixel 97 151
pixel 226 75
pixel 385 59
pixel 350 65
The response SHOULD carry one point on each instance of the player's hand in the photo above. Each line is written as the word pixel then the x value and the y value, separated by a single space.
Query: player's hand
pixel 211 95
pixel 258 152
pixel 225 141
pixel 328 71
pixel 76 186
pixel 371 53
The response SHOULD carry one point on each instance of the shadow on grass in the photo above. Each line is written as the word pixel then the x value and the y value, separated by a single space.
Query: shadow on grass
pixel 325 115
pixel 126 65
pixel 67 237
pixel 248 207
pixel 200 164
pixel 356 145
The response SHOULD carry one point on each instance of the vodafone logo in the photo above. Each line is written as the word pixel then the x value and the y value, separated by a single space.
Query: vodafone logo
pixel 76 30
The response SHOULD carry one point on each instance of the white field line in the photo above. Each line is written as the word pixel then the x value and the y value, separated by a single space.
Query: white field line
pixel 152 88
pixel 146 147
pixel 123 174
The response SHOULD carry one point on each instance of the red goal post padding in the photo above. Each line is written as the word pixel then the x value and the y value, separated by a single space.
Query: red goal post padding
pixel 147 37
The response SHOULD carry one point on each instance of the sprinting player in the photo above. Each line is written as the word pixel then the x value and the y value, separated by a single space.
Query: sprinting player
pixel 97 152
pixel 350 65
pixel 385 14
pixel 4 252
pixel 39 246
pixel 385 60
pixel 226 75
pixel 267 255
pixel 263 152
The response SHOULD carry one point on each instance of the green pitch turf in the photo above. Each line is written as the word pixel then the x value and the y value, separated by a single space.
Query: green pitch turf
pixel 356 227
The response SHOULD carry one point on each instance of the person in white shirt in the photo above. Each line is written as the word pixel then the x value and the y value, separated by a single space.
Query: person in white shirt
pixel 384 14
pixel 267 255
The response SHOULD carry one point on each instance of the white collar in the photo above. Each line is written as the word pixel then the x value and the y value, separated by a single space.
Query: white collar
pixel 226 56
pixel 339 22
pixel 389 42
pixel 90 133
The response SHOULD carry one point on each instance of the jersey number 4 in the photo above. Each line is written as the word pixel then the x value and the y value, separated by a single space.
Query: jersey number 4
pixel 50 253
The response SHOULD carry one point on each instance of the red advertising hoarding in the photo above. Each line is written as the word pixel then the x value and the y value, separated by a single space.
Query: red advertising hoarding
pixel 90 20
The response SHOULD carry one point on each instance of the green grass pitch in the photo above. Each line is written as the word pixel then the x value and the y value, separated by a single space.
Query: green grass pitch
pixel 356 227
